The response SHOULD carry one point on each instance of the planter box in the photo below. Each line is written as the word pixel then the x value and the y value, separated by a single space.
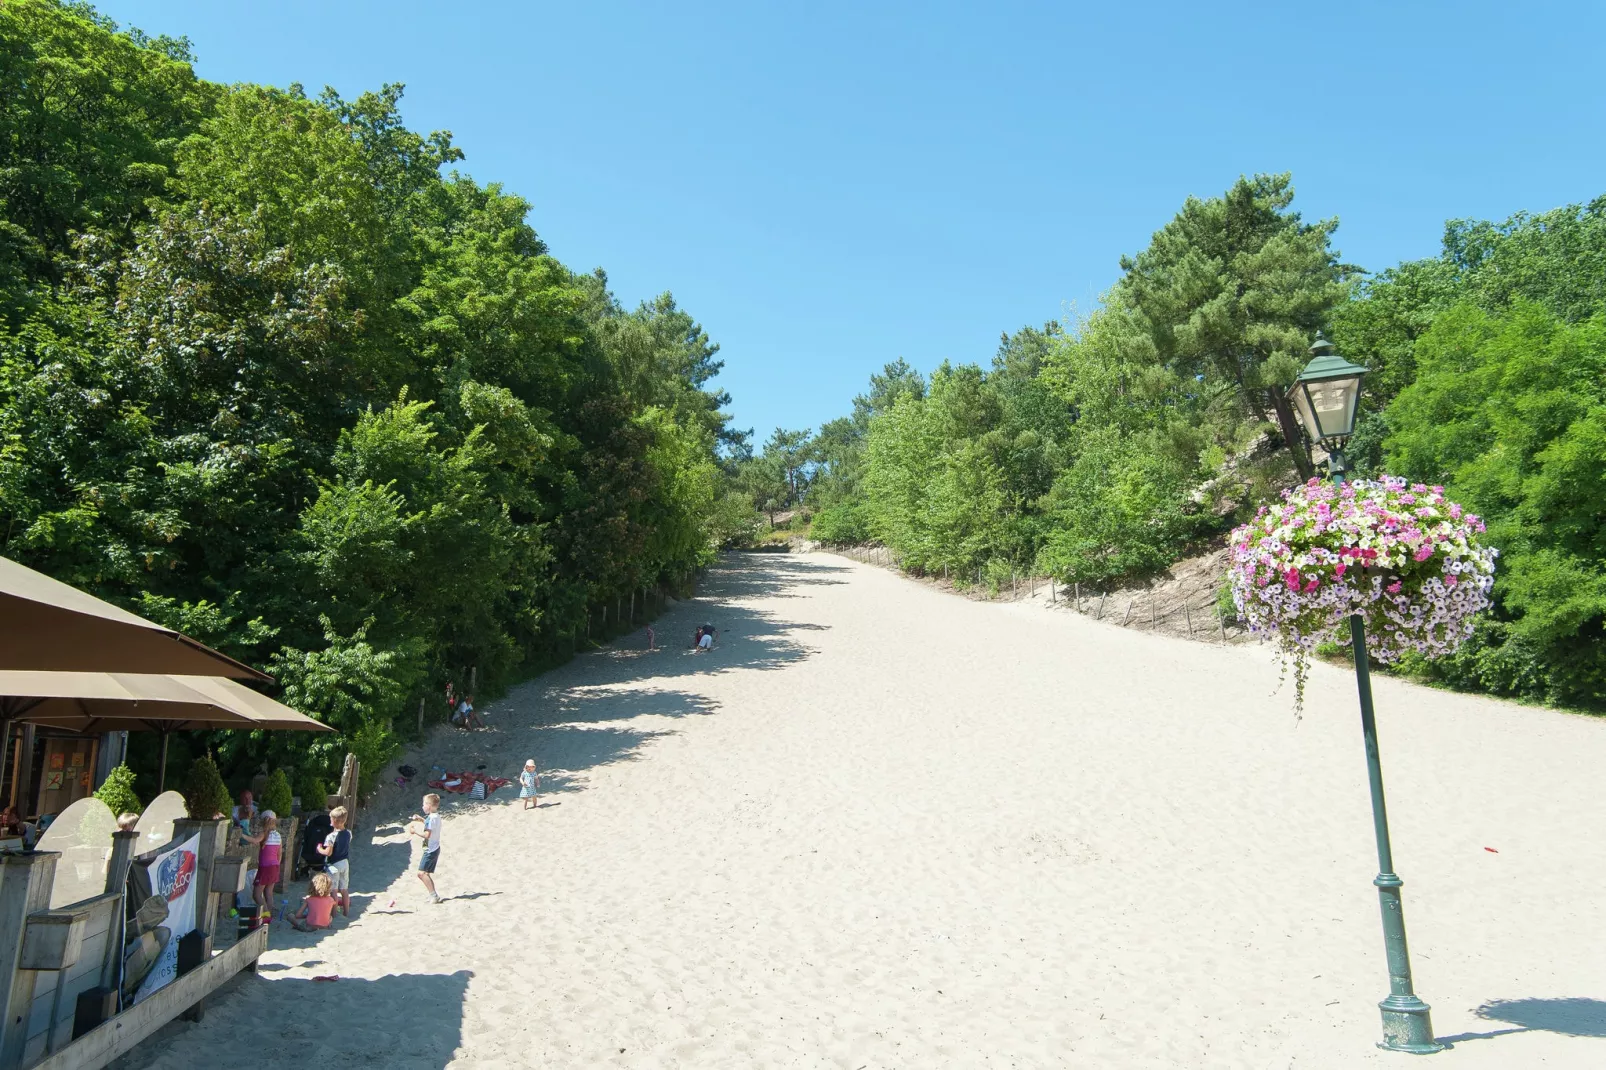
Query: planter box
pixel 52 940
pixel 228 874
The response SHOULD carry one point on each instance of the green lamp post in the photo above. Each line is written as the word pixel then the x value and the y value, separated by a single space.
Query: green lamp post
pixel 1325 395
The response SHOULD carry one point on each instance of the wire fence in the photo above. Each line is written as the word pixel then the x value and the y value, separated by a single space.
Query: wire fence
pixel 1166 609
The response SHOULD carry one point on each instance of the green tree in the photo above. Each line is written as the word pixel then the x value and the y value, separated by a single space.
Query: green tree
pixel 1231 291
pixel 1508 411
pixel 89 118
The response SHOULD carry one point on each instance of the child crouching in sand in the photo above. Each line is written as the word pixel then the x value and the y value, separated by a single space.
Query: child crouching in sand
pixel 318 907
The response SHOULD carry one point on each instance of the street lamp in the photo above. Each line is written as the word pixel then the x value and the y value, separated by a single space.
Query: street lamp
pixel 1325 395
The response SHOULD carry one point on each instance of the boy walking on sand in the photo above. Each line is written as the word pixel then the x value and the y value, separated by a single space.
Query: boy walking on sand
pixel 336 850
pixel 431 835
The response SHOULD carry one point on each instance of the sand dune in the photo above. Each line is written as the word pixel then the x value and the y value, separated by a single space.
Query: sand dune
pixel 884 827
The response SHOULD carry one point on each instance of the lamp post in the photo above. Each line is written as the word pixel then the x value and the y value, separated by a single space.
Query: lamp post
pixel 1325 395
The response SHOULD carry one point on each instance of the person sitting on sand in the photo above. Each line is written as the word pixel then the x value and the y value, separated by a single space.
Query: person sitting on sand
pixel 465 716
pixel 706 641
pixel 318 908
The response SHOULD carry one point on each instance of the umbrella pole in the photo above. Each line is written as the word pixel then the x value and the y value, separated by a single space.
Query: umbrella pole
pixel 161 775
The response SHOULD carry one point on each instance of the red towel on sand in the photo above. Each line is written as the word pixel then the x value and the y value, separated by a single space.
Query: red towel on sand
pixel 466 781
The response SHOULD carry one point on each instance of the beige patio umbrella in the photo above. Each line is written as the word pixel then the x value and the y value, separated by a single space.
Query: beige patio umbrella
pixel 96 702
pixel 47 625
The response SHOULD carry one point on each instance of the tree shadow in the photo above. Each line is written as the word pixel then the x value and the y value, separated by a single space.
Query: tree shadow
pixel 579 716
pixel 399 1020
pixel 589 704
pixel 742 576
pixel 375 864
pixel 747 637
pixel 1571 1017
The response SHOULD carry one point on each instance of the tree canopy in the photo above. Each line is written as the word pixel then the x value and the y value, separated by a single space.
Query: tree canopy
pixel 273 372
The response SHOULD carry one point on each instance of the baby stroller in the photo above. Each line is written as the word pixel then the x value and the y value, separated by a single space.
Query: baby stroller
pixel 308 860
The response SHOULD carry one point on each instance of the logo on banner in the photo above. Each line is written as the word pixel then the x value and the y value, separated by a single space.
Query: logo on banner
pixel 175 874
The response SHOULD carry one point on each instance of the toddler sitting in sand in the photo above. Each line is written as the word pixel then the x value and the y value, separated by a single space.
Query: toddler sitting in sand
pixel 318 907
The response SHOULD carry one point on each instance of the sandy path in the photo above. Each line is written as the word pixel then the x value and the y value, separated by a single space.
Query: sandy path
pixel 885 827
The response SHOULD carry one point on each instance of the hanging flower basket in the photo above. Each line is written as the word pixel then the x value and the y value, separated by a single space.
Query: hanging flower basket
pixel 1404 559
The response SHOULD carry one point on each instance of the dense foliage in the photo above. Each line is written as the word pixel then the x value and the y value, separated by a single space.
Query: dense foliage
pixel 1109 448
pixel 1104 449
pixel 272 373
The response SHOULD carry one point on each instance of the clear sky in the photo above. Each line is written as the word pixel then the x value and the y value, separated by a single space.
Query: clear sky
pixel 828 186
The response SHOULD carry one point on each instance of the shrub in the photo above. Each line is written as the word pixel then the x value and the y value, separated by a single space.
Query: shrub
pixel 841 525
pixel 118 792
pixel 276 796
pixel 204 791
pixel 313 789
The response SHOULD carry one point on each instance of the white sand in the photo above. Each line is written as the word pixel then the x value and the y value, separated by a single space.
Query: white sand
pixel 881 826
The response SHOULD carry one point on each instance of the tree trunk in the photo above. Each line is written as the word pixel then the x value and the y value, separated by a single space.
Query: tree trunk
pixel 1289 425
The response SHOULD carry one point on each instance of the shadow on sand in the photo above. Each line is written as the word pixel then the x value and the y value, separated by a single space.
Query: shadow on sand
pixel 1571 1017
pixel 589 712
pixel 399 1020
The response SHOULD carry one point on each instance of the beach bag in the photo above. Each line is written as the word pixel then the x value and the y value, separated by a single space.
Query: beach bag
pixel 478 790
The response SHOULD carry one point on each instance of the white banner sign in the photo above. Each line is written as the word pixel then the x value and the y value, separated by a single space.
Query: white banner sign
pixel 172 876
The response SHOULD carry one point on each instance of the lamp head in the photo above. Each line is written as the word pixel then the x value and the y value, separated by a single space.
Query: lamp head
pixel 1326 393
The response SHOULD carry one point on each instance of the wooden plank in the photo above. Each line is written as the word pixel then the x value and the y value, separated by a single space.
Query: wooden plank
pixel 25 882
pixel 121 1034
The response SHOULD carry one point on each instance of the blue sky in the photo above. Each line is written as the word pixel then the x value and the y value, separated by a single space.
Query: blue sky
pixel 830 186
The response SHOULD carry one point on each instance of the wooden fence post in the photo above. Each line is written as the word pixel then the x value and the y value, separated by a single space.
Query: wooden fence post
pixel 1128 613
pixel 1188 617
pixel 1102 597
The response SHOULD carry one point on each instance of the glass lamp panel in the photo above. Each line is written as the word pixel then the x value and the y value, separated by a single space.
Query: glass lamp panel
pixel 1306 416
pixel 1333 404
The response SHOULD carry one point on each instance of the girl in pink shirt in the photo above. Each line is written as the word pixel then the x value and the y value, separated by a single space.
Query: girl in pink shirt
pixel 267 864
